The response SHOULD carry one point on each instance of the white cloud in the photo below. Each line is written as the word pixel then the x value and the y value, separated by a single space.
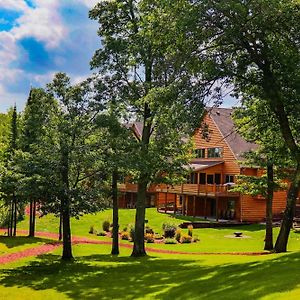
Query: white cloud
pixel 42 22
pixel 14 5
pixel 88 3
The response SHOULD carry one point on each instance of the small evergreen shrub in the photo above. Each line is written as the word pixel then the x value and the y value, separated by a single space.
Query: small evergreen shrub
pixel 131 231
pixel 190 230
pixel 125 235
pixel 149 230
pixel 106 225
pixel 169 230
pixel 101 233
pixel 186 239
pixel 196 239
pixel 170 241
pixel 178 234
pixel 149 238
pixel 92 230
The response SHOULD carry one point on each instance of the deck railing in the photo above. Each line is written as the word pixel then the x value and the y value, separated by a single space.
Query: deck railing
pixel 187 188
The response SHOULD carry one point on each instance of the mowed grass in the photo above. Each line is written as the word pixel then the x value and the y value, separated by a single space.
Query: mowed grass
pixel 95 274
pixel 211 239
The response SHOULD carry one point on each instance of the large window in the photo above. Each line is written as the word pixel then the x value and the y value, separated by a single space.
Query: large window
pixel 210 179
pixel 202 179
pixel 214 152
pixel 194 178
pixel 200 153
pixel 229 178
pixel 217 178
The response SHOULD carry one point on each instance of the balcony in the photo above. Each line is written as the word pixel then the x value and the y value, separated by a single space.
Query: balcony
pixel 198 189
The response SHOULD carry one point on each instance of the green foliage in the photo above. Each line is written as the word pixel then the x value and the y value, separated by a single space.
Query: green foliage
pixel 169 230
pixel 125 235
pixel 178 234
pixel 190 230
pixel 186 239
pixel 149 238
pixel 170 241
pixel 106 225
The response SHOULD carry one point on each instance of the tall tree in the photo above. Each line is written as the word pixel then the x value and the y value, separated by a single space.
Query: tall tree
pixel 256 123
pixel 35 121
pixel 255 45
pixel 73 154
pixel 149 64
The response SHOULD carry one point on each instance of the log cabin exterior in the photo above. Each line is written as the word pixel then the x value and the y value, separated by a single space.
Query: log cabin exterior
pixel 207 192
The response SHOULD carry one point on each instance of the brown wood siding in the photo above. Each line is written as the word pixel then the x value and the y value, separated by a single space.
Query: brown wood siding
pixel 254 208
pixel 216 139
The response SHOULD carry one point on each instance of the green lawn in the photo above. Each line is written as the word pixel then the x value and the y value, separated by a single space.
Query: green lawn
pixel 211 239
pixel 97 275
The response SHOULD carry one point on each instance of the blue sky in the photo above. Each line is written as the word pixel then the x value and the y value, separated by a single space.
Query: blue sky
pixel 41 37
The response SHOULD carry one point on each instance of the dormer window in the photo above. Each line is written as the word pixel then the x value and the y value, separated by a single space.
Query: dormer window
pixel 215 152
pixel 200 153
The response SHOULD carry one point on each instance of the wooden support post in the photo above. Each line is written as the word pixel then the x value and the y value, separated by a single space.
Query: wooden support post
pixel 166 199
pixel 217 202
pixel 183 205
pixel 175 204
pixel 205 207
pixel 194 206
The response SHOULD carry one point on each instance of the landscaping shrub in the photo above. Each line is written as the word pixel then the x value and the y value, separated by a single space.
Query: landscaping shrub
pixel 186 239
pixel 178 234
pixel 149 238
pixel 131 231
pixel 149 230
pixel 106 225
pixel 196 239
pixel 158 236
pixel 190 230
pixel 125 235
pixel 92 230
pixel 169 230
pixel 170 241
pixel 101 233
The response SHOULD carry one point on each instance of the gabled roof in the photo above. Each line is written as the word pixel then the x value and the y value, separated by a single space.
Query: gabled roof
pixel 203 165
pixel 223 120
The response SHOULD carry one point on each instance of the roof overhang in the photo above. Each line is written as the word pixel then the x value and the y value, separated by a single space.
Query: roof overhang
pixel 195 167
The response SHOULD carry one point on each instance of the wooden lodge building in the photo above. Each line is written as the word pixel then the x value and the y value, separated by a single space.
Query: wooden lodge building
pixel 207 192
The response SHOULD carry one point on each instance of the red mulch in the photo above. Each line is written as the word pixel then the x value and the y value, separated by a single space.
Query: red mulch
pixel 7 258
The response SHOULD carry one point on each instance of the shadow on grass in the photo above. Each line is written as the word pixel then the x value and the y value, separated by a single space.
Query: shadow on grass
pixel 106 277
pixel 17 241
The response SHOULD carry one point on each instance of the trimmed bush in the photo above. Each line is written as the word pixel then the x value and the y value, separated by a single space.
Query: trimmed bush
pixel 131 231
pixel 106 225
pixel 92 230
pixel 196 239
pixel 178 234
pixel 169 230
pixel 101 233
pixel 158 236
pixel 190 230
pixel 186 239
pixel 170 241
pixel 125 235
pixel 149 230
pixel 149 238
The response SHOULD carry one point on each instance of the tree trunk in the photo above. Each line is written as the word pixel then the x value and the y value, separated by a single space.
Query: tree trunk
pixel 30 218
pixel 139 236
pixel 60 227
pixel 15 215
pixel 33 218
pixel 269 208
pixel 11 221
pixel 115 242
pixel 67 244
pixel 287 222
